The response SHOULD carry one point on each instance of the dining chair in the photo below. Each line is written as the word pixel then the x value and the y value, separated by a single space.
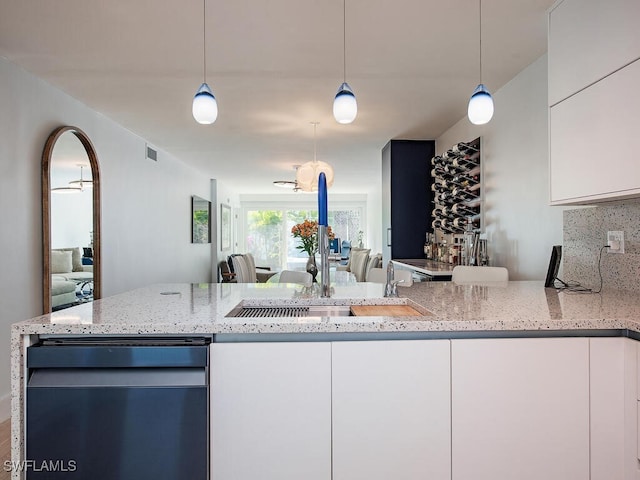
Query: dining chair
pixel 296 276
pixel 466 274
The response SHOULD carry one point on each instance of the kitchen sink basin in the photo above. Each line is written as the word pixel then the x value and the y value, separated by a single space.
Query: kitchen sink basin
pixel 291 311
pixel 400 309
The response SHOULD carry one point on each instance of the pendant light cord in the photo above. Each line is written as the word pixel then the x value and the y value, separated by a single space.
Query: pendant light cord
pixel 315 124
pixel 344 40
pixel 480 42
pixel 204 40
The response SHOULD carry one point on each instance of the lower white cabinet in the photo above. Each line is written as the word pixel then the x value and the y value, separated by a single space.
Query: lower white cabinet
pixel 614 417
pixel 271 411
pixel 465 409
pixel 391 410
pixel 520 409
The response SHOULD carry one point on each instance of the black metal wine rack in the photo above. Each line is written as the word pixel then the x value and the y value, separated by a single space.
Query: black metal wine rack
pixel 457 188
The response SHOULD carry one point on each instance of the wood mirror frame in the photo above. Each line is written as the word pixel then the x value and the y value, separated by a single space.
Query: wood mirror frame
pixel 46 212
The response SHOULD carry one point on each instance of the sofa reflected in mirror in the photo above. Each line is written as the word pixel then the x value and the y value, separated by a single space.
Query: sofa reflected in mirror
pixel 71 278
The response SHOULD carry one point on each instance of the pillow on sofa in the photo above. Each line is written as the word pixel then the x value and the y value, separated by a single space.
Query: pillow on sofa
pixel 358 263
pixel 76 257
pixel 61 261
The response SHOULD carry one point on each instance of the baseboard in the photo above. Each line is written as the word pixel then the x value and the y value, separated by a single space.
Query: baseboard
pixel 5 407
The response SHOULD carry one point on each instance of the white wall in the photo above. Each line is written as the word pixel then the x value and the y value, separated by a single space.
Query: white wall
pixel 146 229
pixel 521 227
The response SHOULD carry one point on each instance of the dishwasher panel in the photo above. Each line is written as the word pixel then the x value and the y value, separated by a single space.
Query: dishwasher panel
pixel 93 416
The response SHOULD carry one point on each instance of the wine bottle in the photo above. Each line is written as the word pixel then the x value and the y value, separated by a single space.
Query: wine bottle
pixel 463 194
pixel 466 162
pixel 464 148
pixel 473 203
pixel 461 222
pixel 462 209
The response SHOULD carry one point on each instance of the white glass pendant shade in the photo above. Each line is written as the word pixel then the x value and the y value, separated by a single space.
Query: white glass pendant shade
pixel 345 107
pixel 205 107
pixel 307 175
pixel 480 108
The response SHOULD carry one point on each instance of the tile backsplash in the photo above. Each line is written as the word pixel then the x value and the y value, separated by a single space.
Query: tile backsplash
pixel 585 233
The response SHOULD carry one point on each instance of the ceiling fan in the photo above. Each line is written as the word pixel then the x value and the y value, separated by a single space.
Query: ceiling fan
pixel 291 184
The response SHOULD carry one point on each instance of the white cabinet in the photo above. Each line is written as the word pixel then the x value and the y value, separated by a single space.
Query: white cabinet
pixel 613 409
pixel 520 409
pixel 592 149
pixel 594 73
pixel 391 410
pixel 588 40
pixel 271 411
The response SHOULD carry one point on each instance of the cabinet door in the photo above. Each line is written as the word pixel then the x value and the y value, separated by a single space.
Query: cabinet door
pixel 391 410
pixel 271 411
pixel 520 409
pixel 613 382
pixel 589 39
pixel 592 141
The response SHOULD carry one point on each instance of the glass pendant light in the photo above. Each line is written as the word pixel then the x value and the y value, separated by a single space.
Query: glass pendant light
pixel 345 107
pixel 480 108
pixel 307 174
pixel 205 107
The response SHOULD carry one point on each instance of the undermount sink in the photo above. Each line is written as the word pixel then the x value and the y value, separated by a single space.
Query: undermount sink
pixel 396 309
pixel 290 311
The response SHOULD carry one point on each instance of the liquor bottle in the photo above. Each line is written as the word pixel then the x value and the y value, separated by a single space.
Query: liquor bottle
pixel 427 245
pixel 469 239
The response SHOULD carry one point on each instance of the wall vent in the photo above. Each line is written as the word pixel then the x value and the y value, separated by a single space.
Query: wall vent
pixel 151 153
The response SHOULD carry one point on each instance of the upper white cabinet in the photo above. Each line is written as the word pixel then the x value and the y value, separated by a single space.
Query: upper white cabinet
pixel 271 411
pixel 588 40
pixel 520 409
pixel 594 73
pixel 592 141
pixel 391 410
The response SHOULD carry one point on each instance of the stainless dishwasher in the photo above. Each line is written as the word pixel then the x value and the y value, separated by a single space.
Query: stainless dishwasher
pixel 118 408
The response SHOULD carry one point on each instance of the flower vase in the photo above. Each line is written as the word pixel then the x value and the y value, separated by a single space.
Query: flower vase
pixel 312 268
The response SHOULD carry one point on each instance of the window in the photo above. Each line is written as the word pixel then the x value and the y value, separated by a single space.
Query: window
pixel 267 232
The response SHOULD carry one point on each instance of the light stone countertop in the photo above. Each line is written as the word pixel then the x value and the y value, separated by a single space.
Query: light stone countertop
pixel 520 308
pixel 202 309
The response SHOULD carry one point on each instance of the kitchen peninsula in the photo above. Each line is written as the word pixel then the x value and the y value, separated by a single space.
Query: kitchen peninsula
pixel 489 377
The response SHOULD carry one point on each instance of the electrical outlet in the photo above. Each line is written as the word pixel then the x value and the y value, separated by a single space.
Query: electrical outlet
pixel 615 240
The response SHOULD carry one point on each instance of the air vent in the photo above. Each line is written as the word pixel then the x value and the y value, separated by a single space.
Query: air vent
pixel 152 154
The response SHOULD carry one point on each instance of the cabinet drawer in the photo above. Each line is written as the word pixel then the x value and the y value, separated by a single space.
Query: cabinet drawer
pixel 592 142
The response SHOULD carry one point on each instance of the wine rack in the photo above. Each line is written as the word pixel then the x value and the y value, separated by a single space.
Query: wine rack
pixel 457 189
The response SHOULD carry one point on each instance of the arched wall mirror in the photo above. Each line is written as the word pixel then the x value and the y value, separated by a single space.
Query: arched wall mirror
pixel 70 220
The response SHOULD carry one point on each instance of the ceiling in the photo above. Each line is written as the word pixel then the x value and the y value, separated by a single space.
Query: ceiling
pixel 274 67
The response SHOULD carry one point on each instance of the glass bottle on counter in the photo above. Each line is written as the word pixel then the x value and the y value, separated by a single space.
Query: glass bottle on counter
pixel 468 257
pixel 427 246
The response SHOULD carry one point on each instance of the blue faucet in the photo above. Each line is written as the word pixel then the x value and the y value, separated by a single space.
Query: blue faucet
pixel 323 237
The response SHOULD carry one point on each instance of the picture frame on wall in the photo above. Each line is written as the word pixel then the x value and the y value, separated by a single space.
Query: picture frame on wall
pixel 200 220
pixel 225 227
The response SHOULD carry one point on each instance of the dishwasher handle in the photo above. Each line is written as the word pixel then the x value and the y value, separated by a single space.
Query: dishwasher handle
pixel 116 356
pixel 118 377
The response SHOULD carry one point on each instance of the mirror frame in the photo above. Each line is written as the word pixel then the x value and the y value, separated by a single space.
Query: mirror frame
pixel 46 212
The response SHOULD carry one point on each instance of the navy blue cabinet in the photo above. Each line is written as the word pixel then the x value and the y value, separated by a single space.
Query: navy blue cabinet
pixel 406 197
